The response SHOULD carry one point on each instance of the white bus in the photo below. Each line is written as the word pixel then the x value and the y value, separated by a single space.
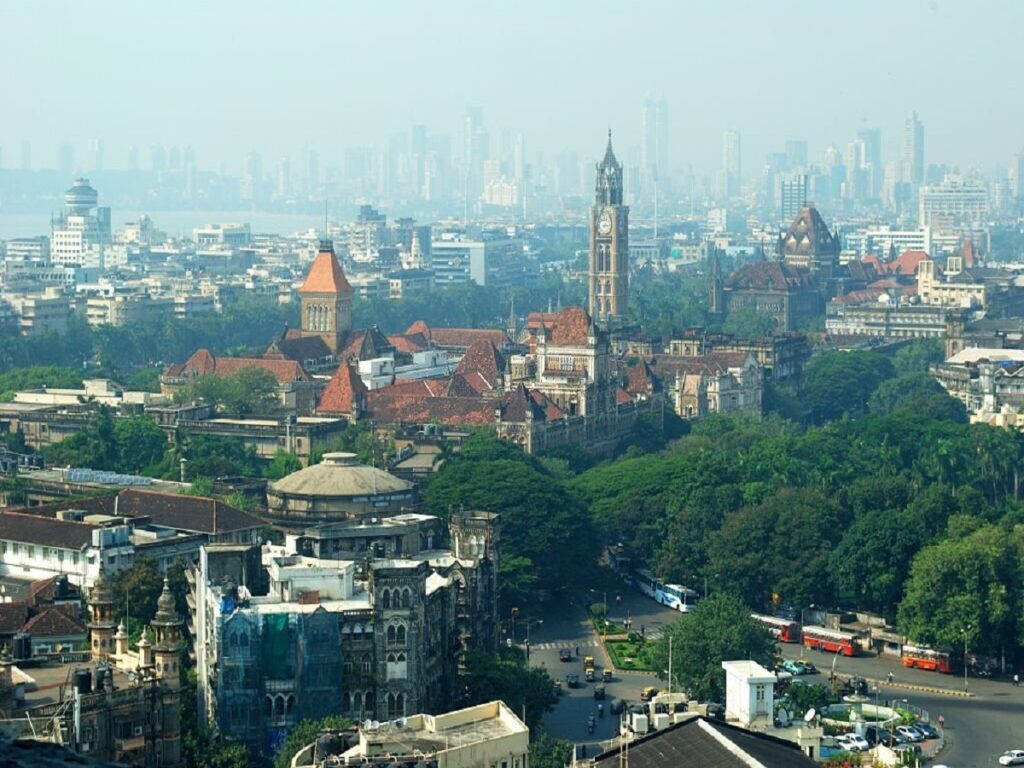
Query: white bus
pixel 675 596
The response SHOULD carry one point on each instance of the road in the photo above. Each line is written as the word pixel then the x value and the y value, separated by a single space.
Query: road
pixel 978 729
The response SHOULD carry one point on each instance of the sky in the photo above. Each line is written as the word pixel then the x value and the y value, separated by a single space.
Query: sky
pixel 281 77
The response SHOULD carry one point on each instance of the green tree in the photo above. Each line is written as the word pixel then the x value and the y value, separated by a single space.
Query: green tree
pixel 506 676
pixel 970 584
pixel 916 392
pixel 36 377
pixel 917 355
pixel 304 733
pixel 546 752
pixel 94 446
pixel 283 463
pixel 719 629
pixel 250 391
pixel 140 443
pixel 748 323
pixel 841 383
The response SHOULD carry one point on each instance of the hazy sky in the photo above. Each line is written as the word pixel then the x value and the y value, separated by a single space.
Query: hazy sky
pixel 282 76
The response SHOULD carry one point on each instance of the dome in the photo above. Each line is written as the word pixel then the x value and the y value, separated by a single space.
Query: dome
pixel 339 474
pixel 81 197
pixel 165 603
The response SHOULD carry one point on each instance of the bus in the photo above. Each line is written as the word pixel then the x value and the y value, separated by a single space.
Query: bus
pixel 923 657
pixel 831 640
pixel 675 596
pixel 783 630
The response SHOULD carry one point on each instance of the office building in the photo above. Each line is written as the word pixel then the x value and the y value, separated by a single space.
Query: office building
pixel 654 140
pixel 493 259
pixel 913 150
pixel 80 236
pixel 956 203
pixel 792 195
pixel 731 163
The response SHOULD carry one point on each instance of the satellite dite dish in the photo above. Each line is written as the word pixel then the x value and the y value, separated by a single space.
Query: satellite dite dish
pixel 783 717
pixel 811 714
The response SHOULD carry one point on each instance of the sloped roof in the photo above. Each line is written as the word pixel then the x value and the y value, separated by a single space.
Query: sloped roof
pixel 639 379
pixel 203 363
pixel 45 531
pixel 300 348
pixel 769 276
pixel 572 327
pixel 518 402
pixel 697 742
pixel 484 359
pixel 390 408
pixel 343 391
pixel 409 342
pixel 326 275
pixel 808 234
pixel 12 617
pixel 906 263
pixel 54 621
pixel 363 344
pixel 969 253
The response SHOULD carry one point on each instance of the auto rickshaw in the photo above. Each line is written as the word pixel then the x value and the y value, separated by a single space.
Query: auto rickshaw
pixel 606 675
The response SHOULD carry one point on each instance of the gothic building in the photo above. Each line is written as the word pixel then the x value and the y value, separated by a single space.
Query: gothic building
pixel 326 298
pixel 609 242
pixel 366 618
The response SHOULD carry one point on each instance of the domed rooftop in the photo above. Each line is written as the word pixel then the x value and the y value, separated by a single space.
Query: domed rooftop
pixel 81 197
pixel 339 474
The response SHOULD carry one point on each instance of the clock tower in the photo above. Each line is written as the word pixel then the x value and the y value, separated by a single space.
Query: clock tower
pixel 609 242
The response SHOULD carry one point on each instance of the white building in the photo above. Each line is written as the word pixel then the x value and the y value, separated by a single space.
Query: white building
pixel 80 236
pixel 232 235
pixel 955 203
pixel 749 693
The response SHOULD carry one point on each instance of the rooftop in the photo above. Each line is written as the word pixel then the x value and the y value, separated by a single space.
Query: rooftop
pixel 340 475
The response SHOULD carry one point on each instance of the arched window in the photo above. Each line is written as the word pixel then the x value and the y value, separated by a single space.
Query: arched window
pixel 279 706
pixel 391 658
pixel 289 703
pixel 406 597
pixel 369 701
pixel 400 657
pixel 391 635
pixel 385 598
pixel 243 639
pixel 346 702
pixel 357 701
pixel 268 708
pixel 401 636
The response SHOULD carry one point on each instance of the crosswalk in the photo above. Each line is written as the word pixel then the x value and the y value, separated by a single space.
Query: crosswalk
pixel 652 634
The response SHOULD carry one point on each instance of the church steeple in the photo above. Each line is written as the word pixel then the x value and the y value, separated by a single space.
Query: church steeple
pixel 608 188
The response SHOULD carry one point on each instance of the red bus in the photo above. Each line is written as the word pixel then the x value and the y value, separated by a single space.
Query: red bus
pixel 922 657
pixel 783 630
pixel 831 640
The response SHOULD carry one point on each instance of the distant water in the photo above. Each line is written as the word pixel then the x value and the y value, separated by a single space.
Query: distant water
pixel 175 223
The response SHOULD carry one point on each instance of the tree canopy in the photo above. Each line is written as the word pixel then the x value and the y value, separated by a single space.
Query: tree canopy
pixel 719 629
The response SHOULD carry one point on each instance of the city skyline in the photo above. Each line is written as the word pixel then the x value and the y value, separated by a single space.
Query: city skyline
pixel 270 86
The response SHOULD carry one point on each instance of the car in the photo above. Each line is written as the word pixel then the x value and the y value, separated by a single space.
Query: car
pixel 927 730
pixel 809 668
pixel 887 737
pixel 565 654
pixel 572 680
pixel 909 733
pixel 599 691
pixel 1012 757
pixel 648 693
pixel 853 743
pixel 556 688
pixel 794 667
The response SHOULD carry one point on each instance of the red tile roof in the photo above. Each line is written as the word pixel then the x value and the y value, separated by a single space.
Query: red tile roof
pixel 54 622
pixel 409 342
pixel 203 363
pixel 389 408
pixel 12 617
pixel 906 263
pixel 572 327
pixel 769 276
pixel 485 360
pixel 344 393
pixel 326 276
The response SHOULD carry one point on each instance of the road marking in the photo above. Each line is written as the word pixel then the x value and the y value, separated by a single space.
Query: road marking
pixel 558 645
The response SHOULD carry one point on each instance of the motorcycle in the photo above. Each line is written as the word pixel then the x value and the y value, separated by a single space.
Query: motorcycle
pixel 600 710
pixel 590 724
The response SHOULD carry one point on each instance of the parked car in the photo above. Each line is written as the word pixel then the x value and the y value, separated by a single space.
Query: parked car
pixel 794 667
pixel 572 680
pixel 851 742
pixel 910 733
pixel 887 737
pixel 1012 757
pixel 565 654
pixel 927 730
pixel 809 668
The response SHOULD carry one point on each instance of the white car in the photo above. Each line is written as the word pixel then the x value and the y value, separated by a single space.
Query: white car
pixel 853 743
pixel 910 733
pixel 1012 757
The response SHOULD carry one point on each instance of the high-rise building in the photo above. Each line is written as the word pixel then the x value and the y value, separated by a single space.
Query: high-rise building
pixel 913 150
pixel 66 159
pixel 609 242
pixel 133 158
pixel 792 195
pixel 1017 176
pixel 80 236
pixel 731 162
pixel 475 150
pixel 873 170
pixel 157 158
pixel 654 145
pixel 856 171
pixel 284 174
pixel 796 154
pixel 96 155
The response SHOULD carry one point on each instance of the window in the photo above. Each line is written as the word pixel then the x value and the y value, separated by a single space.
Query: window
pixel 74 558
pixel 31 550
pixel 367 664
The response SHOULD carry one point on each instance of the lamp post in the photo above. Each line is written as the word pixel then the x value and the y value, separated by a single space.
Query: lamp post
pixel 965 631
pixel 515 612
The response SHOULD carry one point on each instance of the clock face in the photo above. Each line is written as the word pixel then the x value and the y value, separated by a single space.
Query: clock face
pixel 604 225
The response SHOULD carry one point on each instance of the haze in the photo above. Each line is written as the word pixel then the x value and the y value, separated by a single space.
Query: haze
pixel 228 77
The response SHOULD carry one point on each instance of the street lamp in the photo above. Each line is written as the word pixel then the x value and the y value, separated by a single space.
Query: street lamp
pixel 965 631
pixel 515 612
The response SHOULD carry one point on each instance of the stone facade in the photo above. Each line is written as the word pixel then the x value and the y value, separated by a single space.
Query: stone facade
pixel 608 274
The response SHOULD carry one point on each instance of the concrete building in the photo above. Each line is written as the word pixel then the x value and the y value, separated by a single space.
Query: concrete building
pixel 493 260
pixel 482 736
pixel 989 382
pixel 80 237
pixel 370 637
pixel 39 313
pixel 338 488
pixel 230 235
pixel 955 204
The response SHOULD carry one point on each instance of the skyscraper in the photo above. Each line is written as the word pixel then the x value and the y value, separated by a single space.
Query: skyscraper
pixel 96 154
pixel 913 150
pixel 731 162
pixel 609 242
pixel 654 145
pixel 873 170
pixel 796 155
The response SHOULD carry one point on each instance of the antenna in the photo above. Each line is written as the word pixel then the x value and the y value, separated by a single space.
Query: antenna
pixel 327 227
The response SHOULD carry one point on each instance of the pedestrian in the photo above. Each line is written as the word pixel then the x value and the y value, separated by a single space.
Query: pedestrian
pixel 577 651
pixel 942 721
pixel 1016 680
pixel 890 677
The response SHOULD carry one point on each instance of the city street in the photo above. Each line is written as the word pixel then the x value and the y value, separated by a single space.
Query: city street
pixel 978 729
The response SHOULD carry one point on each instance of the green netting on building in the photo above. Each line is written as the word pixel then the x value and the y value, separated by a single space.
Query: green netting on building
pixel 277 647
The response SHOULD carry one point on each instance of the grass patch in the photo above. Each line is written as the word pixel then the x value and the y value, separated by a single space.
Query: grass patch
pixel 605 627
pixel 630 655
